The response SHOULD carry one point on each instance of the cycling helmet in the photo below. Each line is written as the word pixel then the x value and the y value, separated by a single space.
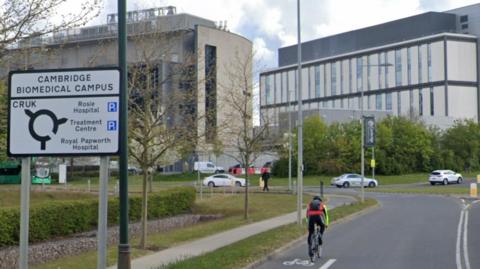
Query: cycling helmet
pixel 316 197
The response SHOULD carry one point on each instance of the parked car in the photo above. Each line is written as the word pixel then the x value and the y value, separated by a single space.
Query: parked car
pixel 207 168
pixel 238 169
pixel 353 180
pixel 445 177
pixel 219 180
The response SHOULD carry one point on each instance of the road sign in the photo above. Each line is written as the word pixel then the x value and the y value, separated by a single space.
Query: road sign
pixel 369 129
pixel 64 112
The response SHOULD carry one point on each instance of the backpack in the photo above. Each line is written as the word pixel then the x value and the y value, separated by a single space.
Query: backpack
pixel 315 205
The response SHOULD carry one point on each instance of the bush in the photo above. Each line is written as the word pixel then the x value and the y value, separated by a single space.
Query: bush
pixel 63 218
pixel 280 167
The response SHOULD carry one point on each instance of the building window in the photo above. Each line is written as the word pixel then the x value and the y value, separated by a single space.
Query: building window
pixel 464 18
pixel 378 102
pixel 420 102
pixel 359 74
pixel 388 101
pixel 341 78
pixel 368 102
pixel 368 73
pixel 268 91
pixel 429 62
pixel 419 64
pixel 333 78
pixel 380 70
pixel 317 81
pixel 386 69
pixel 409 65
pixel 211 92
pixel 341 103
pixel 325 80
pixel 399 103
pixel 398 68
pixel 464 26
pixel 432 104
pixel 350 75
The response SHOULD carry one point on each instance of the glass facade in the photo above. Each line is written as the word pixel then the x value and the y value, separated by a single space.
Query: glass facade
pixel 388 101
pixel 317 81
pixel 359 74
pixel 409 65
pixel 333 78
pixel 429 62
pixel 378 102
pixel 398 68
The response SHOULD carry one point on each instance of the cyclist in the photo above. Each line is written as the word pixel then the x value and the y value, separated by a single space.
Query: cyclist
pixel 317 213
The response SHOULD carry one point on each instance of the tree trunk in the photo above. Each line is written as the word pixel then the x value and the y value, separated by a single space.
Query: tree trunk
pixel 246 193
pixel 143 238
pixel 150 180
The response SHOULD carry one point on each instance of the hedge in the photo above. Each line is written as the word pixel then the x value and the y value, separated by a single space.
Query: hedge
pixel 63 218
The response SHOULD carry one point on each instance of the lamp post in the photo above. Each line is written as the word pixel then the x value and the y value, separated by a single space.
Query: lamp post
pixel 363 130
pixel 300 121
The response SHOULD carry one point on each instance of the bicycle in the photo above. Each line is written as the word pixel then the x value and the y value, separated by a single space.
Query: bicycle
pixel 315 246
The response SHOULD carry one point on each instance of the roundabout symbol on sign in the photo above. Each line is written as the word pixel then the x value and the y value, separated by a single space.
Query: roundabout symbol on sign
pixel 33 116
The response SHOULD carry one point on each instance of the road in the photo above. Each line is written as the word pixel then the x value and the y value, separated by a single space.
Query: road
pixel 407 231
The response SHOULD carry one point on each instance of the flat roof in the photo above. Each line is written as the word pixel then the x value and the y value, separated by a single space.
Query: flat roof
pixel 425 24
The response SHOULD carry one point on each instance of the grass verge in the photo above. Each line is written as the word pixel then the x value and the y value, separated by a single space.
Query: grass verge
pixel 425 190
pixel 231 206
pixel 256 247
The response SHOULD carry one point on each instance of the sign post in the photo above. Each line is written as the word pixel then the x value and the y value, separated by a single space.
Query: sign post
pixel 63 112
pixel 24 217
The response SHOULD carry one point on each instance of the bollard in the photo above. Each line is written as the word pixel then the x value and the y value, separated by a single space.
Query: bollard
pixel 89 186
pixel 473 190
pixel 321 189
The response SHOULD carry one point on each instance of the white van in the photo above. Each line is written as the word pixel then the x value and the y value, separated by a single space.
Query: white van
pixel 207 167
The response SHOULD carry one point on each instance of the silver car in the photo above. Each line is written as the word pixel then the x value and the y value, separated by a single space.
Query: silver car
pixel 445 177
pixel 353 180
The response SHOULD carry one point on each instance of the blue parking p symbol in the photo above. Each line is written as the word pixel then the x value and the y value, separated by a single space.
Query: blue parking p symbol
pixel 112 106
pixel 111 125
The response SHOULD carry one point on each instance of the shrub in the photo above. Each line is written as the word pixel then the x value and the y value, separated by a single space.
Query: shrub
pixel 63 218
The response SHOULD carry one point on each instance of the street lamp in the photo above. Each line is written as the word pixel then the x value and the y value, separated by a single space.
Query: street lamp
pixel 363 130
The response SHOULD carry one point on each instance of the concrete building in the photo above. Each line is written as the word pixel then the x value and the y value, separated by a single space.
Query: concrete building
pixel 433 72
pixel 160 36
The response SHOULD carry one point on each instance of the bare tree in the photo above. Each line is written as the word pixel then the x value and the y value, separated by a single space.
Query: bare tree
pixel 23 20
pixel 237 131
pixel 161 106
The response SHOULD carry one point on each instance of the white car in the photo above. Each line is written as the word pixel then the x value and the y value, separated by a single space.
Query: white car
pixel 223 180
pixel 444 177
pixel 353 180
pixel 207 168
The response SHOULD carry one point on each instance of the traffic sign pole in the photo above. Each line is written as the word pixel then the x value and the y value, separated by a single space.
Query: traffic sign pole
pixel 102 214
pixel 24 218
pixel 123 247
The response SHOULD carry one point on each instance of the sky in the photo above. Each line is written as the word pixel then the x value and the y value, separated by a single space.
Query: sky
pixel 271 24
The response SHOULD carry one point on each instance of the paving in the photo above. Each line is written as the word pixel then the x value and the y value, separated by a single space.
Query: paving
pixel 213 242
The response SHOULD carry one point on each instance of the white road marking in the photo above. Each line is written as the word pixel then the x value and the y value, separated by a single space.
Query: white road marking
pixel 465 245
pixel 459 238
pixel 328 264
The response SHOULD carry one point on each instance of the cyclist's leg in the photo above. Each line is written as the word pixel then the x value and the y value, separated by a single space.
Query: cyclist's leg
pixel 311 230
pixel 321 225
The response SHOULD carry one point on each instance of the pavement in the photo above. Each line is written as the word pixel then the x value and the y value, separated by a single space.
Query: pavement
pixel 407 231
pixel 213 242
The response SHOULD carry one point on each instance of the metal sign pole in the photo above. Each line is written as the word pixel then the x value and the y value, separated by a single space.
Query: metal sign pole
pixel 123 246
pixel 24 217
pixel 102 214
